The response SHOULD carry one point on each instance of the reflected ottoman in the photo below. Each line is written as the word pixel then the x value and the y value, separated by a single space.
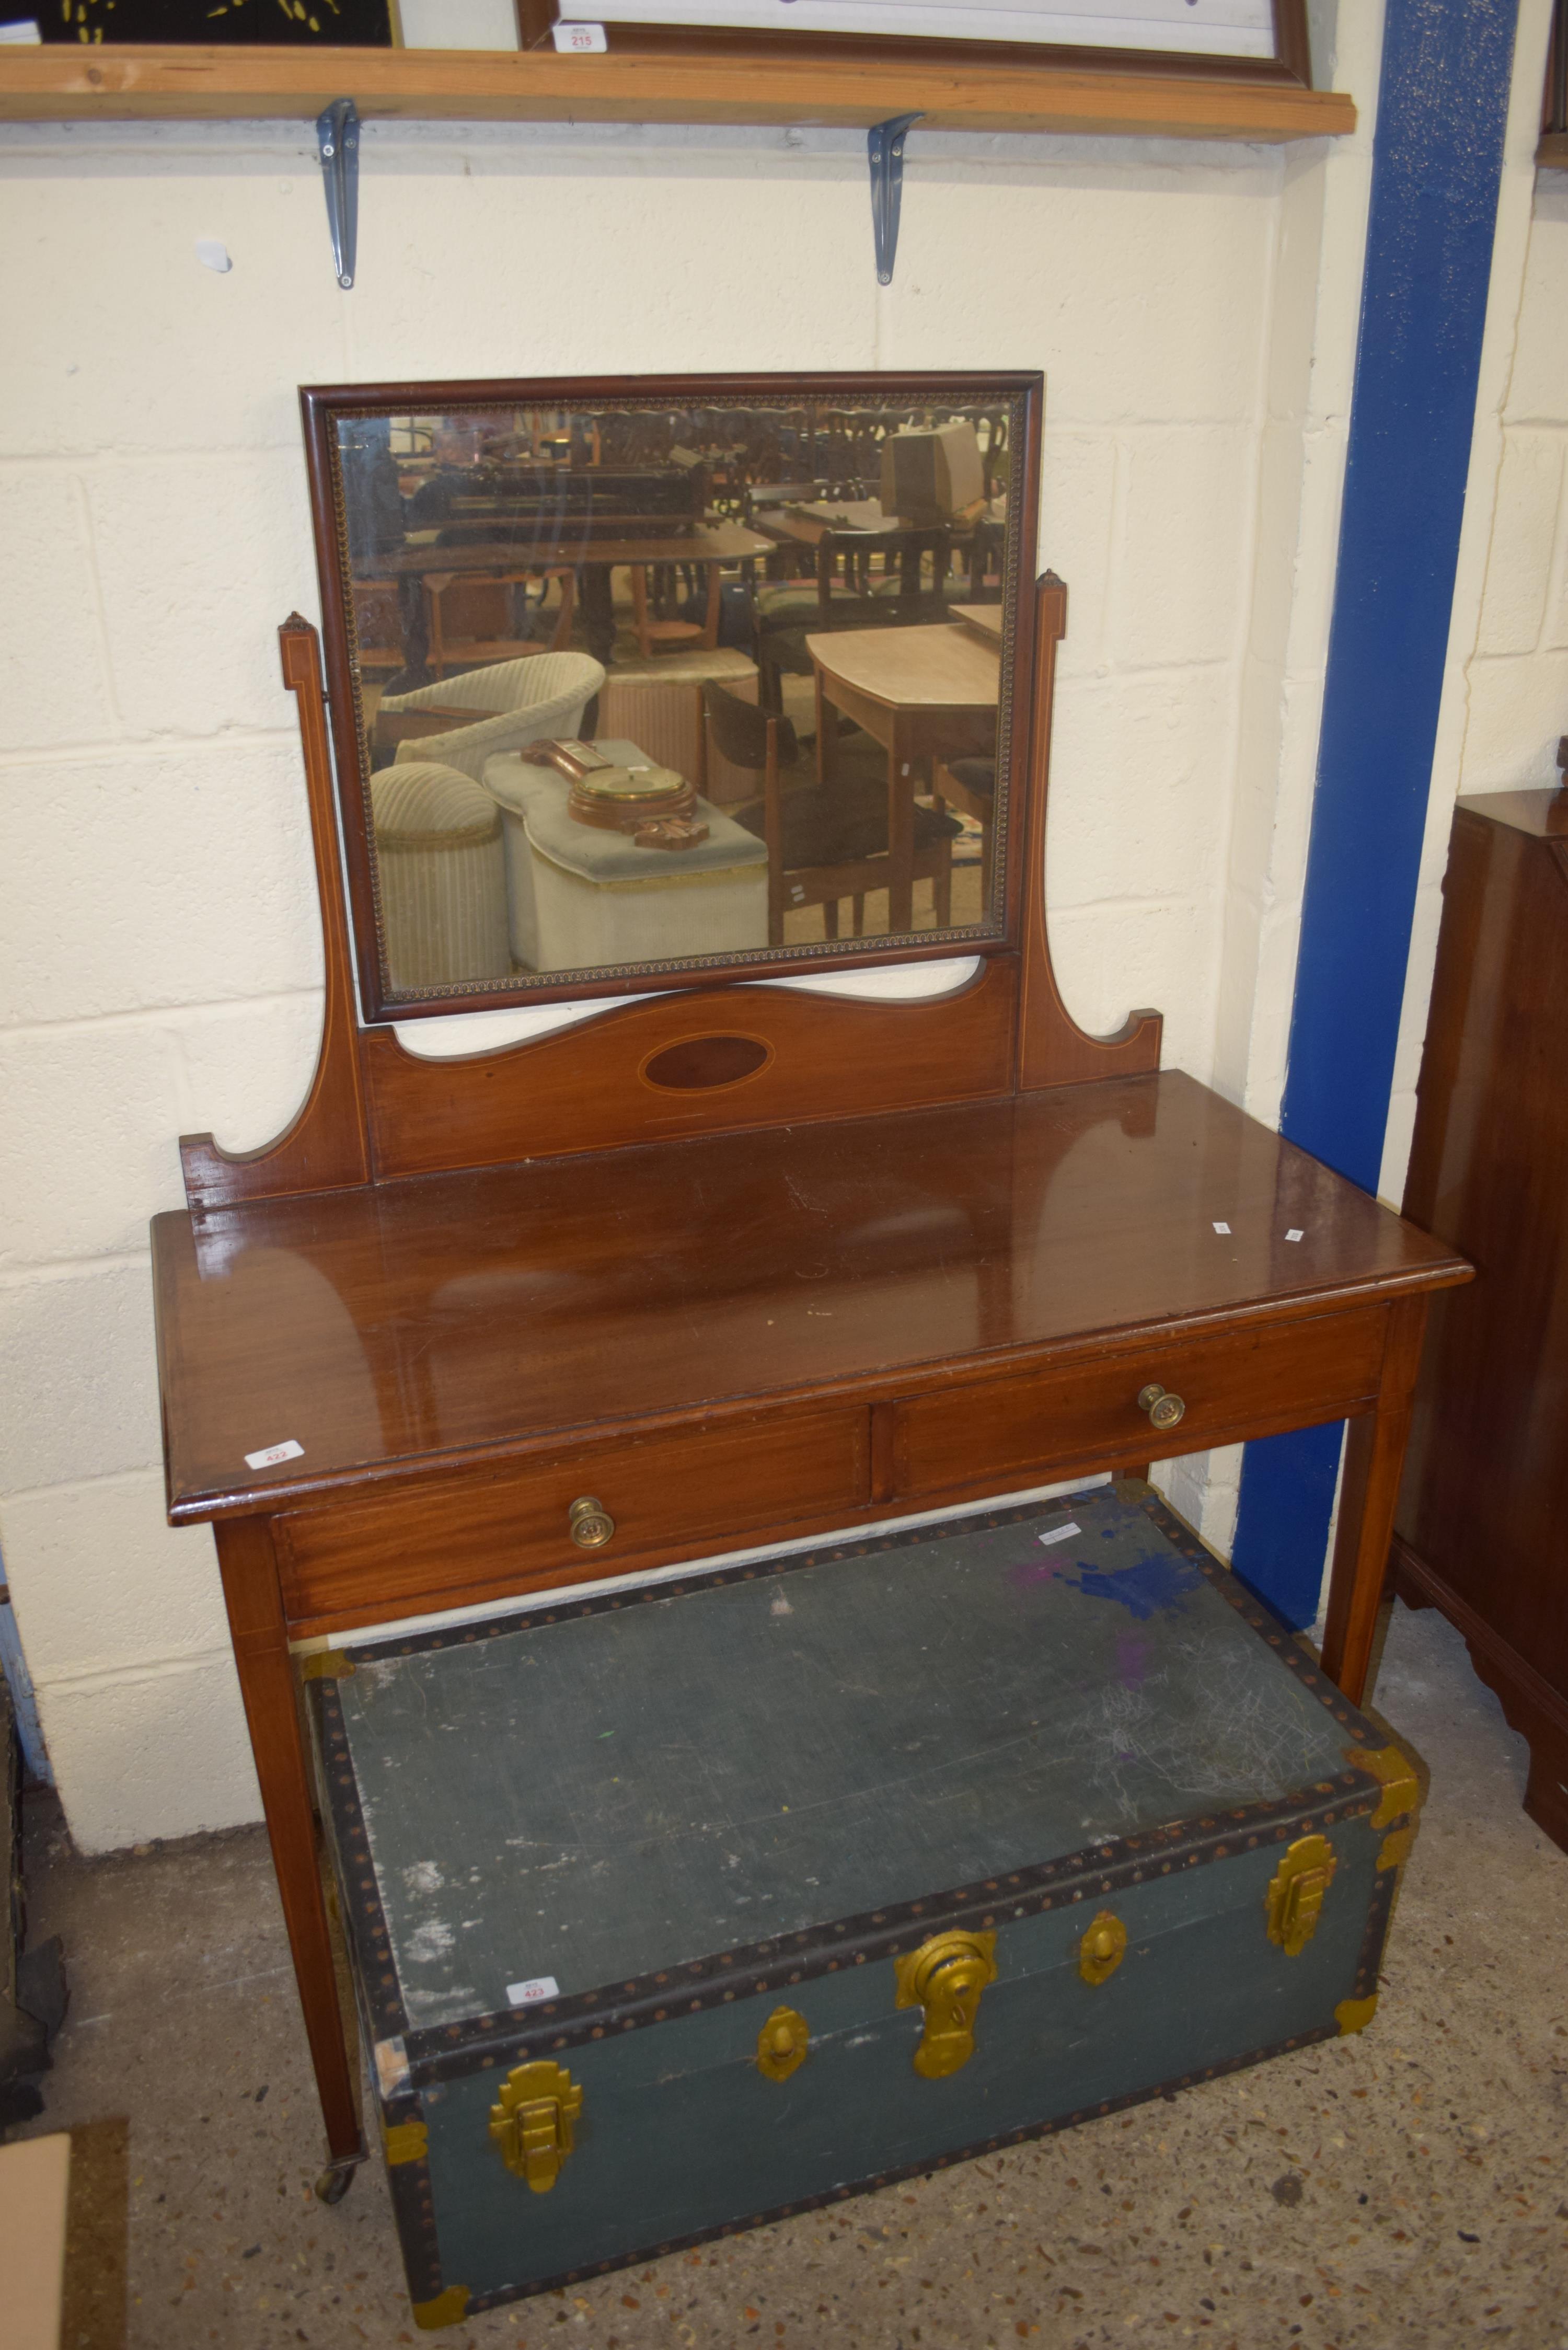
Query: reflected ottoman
pixel 441 870
pixel 585 899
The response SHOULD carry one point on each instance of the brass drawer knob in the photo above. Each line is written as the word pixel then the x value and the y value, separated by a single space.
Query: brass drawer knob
pixel 1163 1409
pixel 589 1522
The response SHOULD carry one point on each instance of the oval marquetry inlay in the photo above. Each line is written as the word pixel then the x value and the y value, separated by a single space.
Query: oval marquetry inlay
pixel 698 1063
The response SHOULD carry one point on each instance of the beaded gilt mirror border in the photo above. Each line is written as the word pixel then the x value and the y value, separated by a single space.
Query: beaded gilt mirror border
pixel 1019 395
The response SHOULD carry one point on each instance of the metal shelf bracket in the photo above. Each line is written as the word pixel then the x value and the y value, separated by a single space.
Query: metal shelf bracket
pixel 337 150
pixel 885 149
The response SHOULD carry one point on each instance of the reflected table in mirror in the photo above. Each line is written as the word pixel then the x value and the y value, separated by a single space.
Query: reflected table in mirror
pixel 710 547
pixel 856 529
pixel 985 619
pixel 926 694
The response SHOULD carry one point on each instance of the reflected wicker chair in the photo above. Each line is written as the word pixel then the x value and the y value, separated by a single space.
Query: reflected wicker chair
pixel 514 704
pixel 826 842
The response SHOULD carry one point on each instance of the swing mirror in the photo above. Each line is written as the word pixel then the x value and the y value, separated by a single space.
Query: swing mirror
pixel 667 681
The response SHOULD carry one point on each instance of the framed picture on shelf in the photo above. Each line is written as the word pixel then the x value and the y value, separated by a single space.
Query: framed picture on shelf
pixel 210 24
pixel 1247 38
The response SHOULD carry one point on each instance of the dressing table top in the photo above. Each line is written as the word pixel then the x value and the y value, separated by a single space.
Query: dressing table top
pixel 434 1321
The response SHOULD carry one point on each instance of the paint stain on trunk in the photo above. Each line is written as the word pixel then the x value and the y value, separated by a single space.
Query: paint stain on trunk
pixel 1155 1587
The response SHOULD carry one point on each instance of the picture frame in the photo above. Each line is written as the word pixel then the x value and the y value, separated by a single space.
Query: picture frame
pixel 1289 60
pixel 221 24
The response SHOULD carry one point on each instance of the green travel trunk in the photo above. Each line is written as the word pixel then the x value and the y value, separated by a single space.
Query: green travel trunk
pixel 695 1904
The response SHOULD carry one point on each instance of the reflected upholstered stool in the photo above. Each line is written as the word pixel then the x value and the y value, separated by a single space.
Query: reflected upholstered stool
pixel 579 898
pixel 600 900
pixel 442 873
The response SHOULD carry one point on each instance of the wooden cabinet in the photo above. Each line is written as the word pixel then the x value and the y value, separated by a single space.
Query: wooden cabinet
pixel 1482 1527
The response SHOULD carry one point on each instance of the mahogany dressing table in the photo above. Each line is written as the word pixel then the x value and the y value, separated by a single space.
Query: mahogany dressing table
pixel 728 1264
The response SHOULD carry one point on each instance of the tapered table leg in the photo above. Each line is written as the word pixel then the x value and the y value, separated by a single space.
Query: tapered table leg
pixel 1369 1493
pixel 598 611
pixel 826 732
pixel 259 1630
pixel 900 829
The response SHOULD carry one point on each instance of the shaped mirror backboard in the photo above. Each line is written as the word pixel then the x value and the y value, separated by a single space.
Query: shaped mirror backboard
pixel 670 678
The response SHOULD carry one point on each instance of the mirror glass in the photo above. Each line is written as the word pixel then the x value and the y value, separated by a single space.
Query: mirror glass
pixel 641 686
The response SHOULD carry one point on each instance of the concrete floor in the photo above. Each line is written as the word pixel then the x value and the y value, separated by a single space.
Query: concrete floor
pixel 1406 2187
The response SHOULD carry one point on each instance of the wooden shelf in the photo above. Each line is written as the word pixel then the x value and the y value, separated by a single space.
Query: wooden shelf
pixel 1552 155
pixel 62 84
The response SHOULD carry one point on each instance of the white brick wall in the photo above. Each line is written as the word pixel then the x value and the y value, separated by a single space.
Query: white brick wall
pixel 1193 308
pixel 1505 693
pixel 1517 675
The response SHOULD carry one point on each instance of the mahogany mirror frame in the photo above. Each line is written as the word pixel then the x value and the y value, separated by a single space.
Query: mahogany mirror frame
pixel 322 407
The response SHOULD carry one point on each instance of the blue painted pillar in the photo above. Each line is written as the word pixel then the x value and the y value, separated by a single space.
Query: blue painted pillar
pixel 1437 164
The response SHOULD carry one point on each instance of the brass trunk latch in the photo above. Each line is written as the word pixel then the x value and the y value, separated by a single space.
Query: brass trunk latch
pixel 782 2044
pixel 946 1976
pixel 1294 1898
pixel 532 2125
pixel 1102 1948
pixel 1400 1799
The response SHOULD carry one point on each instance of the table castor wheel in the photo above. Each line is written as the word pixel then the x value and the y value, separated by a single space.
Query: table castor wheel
pixel 335 2180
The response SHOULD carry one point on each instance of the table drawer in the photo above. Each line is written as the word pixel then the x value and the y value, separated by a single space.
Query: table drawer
pixel 1086 1415
pixel 688 1490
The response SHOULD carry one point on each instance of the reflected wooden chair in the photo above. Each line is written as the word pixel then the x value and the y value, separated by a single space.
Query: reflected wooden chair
pixel 669 635
pixel 826 842
pixel 970 786
pixel 378 624
pixel 472 617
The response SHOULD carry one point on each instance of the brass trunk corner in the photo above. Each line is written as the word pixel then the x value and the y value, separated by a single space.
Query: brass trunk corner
pixel 1394 1850
pixel 447 2308
pixel 406 2142
pixel 326 1665
pixel 1396 1774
